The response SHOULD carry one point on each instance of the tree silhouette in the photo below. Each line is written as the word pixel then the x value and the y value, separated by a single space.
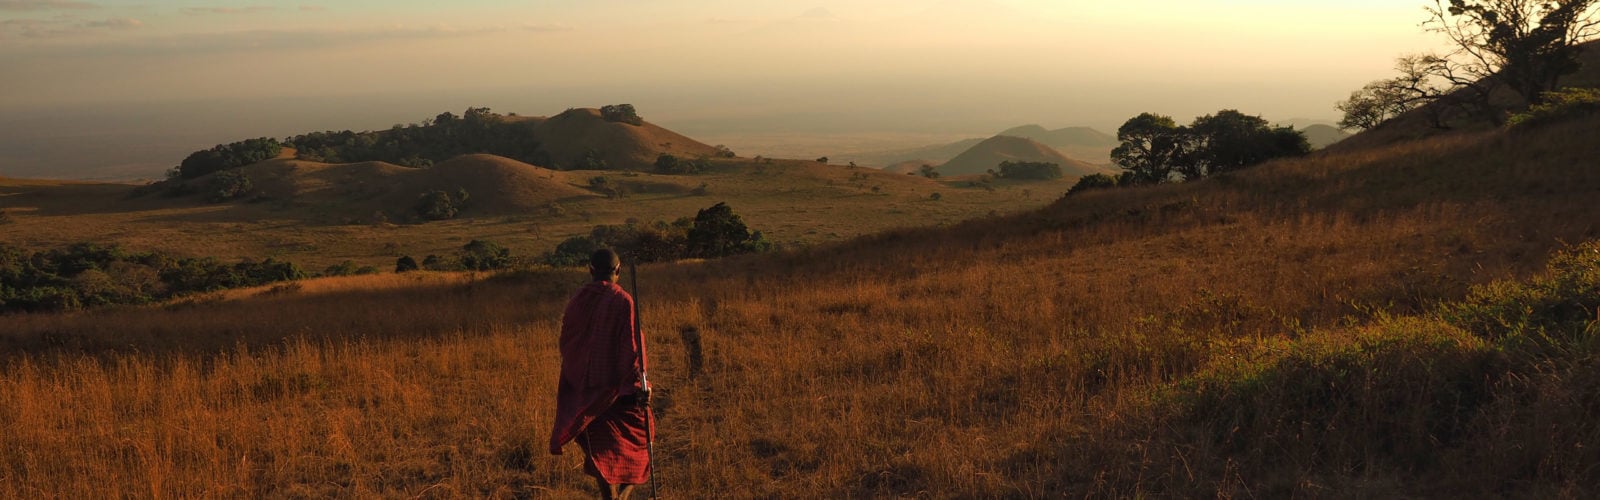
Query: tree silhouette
pixel 1230 140
pixel 1526 44
pixel 1151 144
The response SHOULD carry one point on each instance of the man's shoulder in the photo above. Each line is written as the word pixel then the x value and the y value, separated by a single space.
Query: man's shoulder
pixel 623 295
pixel 603 289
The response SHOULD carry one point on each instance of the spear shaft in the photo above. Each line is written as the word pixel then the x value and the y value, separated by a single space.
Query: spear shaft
pixel 644 379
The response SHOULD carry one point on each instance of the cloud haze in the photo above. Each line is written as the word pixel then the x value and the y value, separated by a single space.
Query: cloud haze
pixel 228 10
pixel 39 5
pixel 718 67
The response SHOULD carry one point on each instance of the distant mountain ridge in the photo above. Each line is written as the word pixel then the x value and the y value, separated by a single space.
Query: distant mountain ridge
pixel 1063 137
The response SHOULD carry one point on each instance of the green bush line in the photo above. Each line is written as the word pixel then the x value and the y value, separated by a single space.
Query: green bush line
pixel 87 275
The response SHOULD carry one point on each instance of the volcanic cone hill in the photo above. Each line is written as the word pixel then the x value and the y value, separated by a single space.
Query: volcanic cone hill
pixel 988 154
pixel 1074 142
pixel 574 137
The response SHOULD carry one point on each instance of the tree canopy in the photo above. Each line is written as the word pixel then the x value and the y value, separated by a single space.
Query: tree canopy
pixel 621 113
pixel 1230 140
pixel 227 156
pixel 1154 147
pixel 445 136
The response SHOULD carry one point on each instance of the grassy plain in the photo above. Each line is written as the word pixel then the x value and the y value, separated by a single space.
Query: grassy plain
pixel 792 202
pixel 1275 332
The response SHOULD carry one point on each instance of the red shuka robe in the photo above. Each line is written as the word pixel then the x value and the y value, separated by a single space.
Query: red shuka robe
pixel 601 359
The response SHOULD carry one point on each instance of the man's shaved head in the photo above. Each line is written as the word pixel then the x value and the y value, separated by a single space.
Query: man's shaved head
pixel 603 263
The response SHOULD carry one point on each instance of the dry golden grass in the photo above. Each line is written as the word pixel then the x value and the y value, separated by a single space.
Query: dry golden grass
pixel 1013 356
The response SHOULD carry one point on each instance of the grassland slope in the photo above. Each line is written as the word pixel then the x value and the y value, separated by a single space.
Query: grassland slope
pixel 495 185
pixel 501 185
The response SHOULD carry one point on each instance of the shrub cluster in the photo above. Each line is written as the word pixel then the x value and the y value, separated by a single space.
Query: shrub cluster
pixel 476 255
pixel 1558 106
pixel 1092 181
pixel 481 255
pixel 1028 170
pixel 713 232
pixel 348 268
pixel 669 164
pixel 230 185
pixel 439 205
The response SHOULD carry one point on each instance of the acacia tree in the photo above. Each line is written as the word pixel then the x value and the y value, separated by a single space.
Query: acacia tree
pixel 1528 44
pixel 1381 100
pixel 1524 45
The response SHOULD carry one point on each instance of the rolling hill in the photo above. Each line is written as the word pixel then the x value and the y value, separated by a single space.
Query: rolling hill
pixel 576 133
pixel 988 154
pixel 496 185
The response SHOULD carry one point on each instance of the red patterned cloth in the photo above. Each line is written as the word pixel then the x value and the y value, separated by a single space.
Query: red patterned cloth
pixel 601 359
pixel 616 446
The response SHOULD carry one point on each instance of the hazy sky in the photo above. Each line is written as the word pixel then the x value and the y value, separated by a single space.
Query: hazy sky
pixel 712 66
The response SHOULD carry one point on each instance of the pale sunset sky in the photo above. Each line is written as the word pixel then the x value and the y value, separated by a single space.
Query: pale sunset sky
pixel 723 68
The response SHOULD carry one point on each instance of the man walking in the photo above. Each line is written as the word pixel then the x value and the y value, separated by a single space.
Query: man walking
pixel 600 402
